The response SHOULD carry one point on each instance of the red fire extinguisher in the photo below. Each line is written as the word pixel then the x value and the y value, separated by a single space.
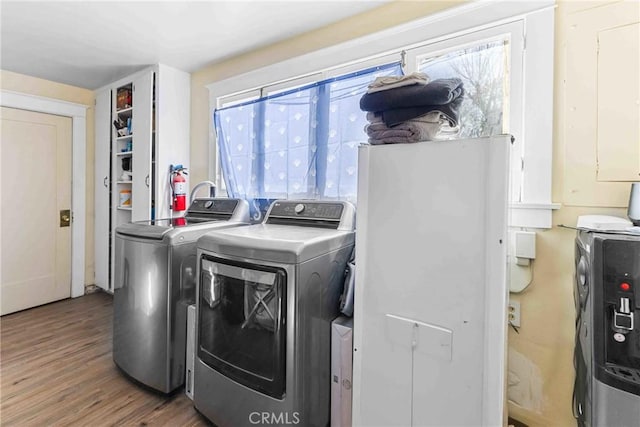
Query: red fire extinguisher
pixel 178 188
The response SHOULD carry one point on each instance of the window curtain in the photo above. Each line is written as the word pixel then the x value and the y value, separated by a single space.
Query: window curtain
pixel 299 144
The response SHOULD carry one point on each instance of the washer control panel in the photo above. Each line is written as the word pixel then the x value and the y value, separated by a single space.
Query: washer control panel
pixel 212 206
pixel 309 210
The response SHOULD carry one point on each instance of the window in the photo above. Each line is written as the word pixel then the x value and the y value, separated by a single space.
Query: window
pixel 300 143
pixel 514 40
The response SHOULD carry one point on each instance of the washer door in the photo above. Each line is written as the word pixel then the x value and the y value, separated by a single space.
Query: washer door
pixel 241 328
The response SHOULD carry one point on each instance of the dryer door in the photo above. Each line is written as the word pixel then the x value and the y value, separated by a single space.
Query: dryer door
pixel 241 328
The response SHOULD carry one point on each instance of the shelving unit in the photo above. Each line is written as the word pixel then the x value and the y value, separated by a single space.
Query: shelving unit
pixel 123 125
pixel 151 108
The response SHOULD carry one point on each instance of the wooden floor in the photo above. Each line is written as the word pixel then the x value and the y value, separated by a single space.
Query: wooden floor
pixel 56 369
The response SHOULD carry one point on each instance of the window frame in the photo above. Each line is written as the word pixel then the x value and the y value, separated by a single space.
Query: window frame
pixel 532 208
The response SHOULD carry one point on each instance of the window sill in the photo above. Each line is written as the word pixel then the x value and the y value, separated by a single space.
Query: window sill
pixel 532 215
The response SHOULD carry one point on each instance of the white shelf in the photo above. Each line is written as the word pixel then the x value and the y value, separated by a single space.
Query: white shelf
pixel 124 153
pixel 124 182
pixel 124 138
pixel 124 208
pixel 124 110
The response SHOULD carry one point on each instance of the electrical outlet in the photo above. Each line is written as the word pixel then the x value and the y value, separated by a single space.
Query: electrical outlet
pixel 514 313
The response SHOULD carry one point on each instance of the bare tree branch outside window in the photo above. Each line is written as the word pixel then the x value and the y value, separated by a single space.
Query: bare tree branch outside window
pixel 482 68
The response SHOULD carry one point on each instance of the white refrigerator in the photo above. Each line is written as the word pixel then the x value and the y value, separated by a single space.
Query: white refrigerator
pixel 430 314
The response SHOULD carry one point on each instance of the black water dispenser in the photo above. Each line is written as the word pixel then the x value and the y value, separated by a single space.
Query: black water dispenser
pixel 616 334
pixel 607 354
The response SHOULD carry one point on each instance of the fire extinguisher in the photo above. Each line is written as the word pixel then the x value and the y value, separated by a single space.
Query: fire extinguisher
pixel 178 188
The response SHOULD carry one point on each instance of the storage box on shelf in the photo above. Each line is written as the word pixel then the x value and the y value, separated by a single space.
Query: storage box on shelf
pixel 124 97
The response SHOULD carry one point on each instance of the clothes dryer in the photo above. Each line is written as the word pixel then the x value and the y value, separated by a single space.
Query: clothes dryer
pixel 267 295
pixel 155 281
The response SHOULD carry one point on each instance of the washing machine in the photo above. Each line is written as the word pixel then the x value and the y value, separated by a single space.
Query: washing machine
pixel 267 295
pixel 607 347
pixel 155 281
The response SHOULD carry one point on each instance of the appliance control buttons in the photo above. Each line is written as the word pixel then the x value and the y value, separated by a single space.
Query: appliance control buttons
pixel 625 286
pixel 208 204
pixel 299 208
pixel 619 337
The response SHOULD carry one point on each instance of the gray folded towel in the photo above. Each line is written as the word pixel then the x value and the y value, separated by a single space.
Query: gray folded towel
pixel 431 117
pixel 450 111
pixel 407 132
pixel 393 82
pixel 436 92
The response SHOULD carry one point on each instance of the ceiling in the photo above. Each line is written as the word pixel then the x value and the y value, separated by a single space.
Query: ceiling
pixel 92 43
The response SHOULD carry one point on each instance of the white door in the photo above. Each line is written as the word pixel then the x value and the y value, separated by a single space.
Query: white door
pixel 35 157
pixel 141 130
pixel 102 205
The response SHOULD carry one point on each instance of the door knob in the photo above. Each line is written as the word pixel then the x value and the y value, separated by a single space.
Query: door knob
pixel 65 218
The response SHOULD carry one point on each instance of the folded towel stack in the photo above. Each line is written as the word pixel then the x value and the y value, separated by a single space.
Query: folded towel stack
pixel 423 128
pixel 411 108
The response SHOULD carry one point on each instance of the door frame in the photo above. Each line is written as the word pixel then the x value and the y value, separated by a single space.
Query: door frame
pixel 78 115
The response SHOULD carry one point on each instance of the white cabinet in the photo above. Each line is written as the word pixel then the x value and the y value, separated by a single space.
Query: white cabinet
pixel 430 293
pixel 142 127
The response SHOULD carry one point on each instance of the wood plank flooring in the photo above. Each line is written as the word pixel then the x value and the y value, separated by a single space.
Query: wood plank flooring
pixel 56 369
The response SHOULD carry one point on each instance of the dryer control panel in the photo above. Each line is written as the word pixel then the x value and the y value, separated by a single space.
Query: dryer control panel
pixel 312 213
pixel 316 210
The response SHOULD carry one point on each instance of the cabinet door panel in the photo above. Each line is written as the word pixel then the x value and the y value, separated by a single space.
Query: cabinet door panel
pixel 102 204
pixel 141 129
pixel 601 122
pixel 618 104
pixel 172 133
